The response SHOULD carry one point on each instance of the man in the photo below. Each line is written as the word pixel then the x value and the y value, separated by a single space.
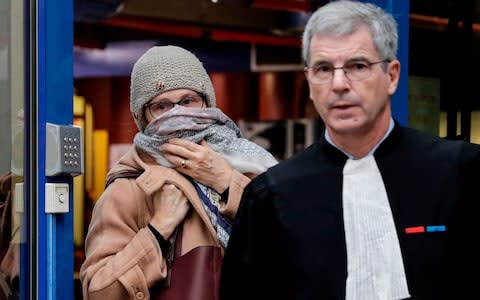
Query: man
pixel 371 211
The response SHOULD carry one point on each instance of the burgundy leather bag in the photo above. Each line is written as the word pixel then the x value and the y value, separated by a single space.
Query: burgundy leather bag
pixel 192 276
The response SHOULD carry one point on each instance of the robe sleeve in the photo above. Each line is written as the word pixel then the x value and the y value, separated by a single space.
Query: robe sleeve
pixel 249 252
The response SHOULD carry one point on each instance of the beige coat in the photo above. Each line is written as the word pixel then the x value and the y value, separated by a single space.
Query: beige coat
pixel 123 258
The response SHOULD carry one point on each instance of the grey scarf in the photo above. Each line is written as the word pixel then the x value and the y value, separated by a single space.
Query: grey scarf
pixel 209 124
pixel 222 135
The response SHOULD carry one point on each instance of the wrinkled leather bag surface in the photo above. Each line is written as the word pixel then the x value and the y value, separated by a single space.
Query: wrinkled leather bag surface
pixel 192 276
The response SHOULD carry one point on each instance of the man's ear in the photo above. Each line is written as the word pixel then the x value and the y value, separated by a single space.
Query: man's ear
pixel 393 75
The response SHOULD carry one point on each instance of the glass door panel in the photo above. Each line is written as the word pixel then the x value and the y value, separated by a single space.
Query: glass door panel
pixel 14 205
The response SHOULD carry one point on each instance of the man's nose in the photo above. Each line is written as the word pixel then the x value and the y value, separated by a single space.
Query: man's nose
pixel 339 78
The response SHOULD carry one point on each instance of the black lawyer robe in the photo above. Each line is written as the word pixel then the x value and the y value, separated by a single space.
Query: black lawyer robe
pixel 288 240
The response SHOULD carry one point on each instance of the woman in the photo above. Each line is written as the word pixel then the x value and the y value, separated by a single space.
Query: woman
pixel 188 166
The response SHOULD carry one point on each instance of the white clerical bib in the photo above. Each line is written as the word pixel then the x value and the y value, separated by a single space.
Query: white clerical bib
pixel 374 261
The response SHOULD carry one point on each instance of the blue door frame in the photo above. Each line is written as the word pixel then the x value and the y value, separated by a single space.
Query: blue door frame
pixel 54 81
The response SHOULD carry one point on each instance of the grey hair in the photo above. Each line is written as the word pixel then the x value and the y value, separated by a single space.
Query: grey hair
pixel 344 17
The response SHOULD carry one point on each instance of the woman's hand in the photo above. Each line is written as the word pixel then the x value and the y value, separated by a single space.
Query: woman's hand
pixel 170 207
pixel 200 162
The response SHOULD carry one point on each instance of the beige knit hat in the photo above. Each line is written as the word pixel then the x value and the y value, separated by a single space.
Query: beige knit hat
pixel 165 68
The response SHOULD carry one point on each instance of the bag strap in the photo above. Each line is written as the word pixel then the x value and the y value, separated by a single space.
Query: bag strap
pixel 178 240
pixel 122 174
pixel 175 252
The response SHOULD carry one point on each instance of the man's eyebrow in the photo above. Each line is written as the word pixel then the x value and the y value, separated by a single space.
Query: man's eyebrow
pixel 357 58
pixel 321 61
pixel 351 59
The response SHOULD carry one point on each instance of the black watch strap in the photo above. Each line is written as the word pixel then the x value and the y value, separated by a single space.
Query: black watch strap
pixel 164 244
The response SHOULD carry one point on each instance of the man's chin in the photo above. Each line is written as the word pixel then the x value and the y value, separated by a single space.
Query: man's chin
pixel 346 125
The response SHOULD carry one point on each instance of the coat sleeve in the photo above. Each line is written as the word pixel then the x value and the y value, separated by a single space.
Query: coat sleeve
pixel 123 259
